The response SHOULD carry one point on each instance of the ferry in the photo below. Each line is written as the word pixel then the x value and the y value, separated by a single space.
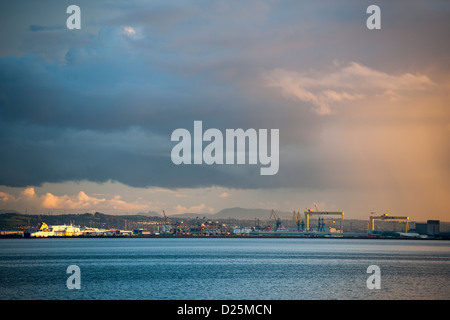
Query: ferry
pixel 57 231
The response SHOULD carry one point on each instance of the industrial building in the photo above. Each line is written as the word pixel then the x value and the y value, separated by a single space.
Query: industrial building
pixel 431 228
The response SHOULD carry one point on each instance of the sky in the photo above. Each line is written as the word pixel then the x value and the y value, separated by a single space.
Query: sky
pixel 86 116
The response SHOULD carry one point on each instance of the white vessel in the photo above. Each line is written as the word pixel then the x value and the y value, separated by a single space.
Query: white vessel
pixel 57 231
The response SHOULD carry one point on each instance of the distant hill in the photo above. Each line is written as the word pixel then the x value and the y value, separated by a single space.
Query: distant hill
pixel 99 220
pixel 228 213
pixel 192 215
pixel 244 213
pixel 149 214
pixel 236 213
pixel 9 211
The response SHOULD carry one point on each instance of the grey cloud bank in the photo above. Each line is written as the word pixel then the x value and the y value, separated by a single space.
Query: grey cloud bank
pixel 101 103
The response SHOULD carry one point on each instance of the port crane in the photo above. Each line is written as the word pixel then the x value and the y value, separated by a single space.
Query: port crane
pixel 387 217
pixel 166 220
pixel 276 218
pixel 310 212
pixel 166 227
pixel 298 220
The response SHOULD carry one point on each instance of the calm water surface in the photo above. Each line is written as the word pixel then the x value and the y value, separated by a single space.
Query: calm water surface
pixel 217 269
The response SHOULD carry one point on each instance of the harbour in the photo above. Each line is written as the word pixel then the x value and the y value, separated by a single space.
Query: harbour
pixel 310 224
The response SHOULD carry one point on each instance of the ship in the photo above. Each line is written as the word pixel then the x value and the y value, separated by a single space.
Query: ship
pixel 57 231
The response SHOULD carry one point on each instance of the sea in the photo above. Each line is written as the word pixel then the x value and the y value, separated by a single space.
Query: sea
pixel 224 269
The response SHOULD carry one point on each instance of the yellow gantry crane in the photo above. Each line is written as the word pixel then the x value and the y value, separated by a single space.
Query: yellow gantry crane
pixel 387 217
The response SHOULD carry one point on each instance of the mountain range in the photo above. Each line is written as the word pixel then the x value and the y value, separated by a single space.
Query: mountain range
pixel 232 213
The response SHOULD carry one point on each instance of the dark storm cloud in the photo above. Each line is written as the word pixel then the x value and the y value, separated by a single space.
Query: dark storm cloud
pixel 36 28
pixel 101 103
pixel 74 121
pixel 34 154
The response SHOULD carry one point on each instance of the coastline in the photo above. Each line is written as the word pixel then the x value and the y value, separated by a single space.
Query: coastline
pixel 369 237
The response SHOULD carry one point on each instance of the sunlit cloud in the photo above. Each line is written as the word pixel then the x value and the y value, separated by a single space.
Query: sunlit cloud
pixel 132 32
pixel 129 30
pixel 354 81
pixel 81 202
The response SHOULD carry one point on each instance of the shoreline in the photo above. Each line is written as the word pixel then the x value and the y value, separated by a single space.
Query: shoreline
pixel 441 238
